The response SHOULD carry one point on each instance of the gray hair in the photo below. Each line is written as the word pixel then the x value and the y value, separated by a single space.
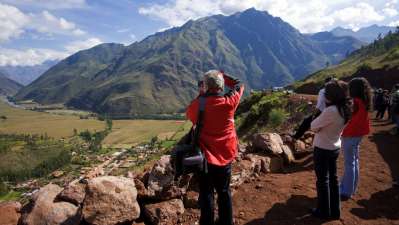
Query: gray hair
pixel 213 79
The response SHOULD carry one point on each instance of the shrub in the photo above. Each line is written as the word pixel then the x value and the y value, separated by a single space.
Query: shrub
pixel 277 117
pixel 3 188
pixel 364 68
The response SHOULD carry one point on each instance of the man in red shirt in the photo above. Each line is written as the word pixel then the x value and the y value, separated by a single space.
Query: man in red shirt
pixel 218 141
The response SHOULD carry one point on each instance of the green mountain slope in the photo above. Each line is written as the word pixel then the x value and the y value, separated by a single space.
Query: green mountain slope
pixel 159 74
pixel 8 87
pixel 378 62
pixel 70 76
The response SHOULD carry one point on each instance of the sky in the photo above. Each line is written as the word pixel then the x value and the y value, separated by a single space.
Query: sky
pixel 33 31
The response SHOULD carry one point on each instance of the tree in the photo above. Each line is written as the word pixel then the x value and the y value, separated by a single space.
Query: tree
pixel 109 124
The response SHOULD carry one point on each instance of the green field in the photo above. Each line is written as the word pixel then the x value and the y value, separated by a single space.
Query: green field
pixel 125 133
pixel 21 121
pixel 130 132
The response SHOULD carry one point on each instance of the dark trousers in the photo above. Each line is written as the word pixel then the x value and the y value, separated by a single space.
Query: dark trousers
pixel 328 197
pixel 218 178
pixel 381 112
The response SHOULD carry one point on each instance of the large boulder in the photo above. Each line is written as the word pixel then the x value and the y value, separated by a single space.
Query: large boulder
pixel 110 200
pixel 288 155
pixel 254 164
pixel 10 212
pixel 73 193
pixel 270 143
pixel 164 213
pixel 161 177
pixel 43 210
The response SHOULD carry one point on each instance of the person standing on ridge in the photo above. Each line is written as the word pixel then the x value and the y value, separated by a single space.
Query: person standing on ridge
pixel 321 104
pixel 218 141
pixel 357 127
pixel 328 127
pixel 395 108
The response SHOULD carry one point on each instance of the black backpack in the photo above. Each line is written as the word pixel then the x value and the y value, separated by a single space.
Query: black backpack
pixel 187 157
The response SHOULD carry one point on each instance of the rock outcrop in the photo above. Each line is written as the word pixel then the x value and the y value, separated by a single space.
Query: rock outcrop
pixel 43 210
pixel 10 212
pixel 73 193
pixel 160 176
pixel 164 213
pixel 110 201
pixel 268 142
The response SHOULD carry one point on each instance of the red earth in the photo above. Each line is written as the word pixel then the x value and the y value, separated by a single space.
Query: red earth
pixel 285 198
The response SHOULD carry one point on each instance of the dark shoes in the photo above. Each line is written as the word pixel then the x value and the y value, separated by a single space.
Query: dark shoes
pixel 344 198
pixel 316 213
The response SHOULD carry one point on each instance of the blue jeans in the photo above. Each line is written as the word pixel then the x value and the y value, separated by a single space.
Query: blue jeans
pixel 350 146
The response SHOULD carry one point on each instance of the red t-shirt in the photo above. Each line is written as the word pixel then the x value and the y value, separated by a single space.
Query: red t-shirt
pixel 359 124
pixel 218 138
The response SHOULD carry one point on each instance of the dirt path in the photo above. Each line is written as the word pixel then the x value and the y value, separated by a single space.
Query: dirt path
pixel 284 199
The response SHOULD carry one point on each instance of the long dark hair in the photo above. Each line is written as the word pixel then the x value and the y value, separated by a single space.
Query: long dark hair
pixel 359 87
pixel 337 93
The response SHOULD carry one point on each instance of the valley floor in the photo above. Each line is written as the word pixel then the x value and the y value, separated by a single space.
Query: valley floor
pixel 285 198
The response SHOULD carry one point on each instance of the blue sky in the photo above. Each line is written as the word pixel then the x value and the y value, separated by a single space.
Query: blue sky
pixel 32 31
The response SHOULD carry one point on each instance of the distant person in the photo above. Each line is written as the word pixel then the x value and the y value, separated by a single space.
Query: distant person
pixel 218 141
pixel 328 127
pixel 381 102
pixel 395 107
pixel 391 103
pixel 357 127
pixel 321 104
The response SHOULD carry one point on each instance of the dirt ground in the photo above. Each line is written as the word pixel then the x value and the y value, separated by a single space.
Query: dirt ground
pixel 285 198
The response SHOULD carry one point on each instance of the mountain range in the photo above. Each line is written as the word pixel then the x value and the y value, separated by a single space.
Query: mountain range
pixel 8 87
pixel 378 62
pixel 159 74
pixel 365 34
pixel 26 74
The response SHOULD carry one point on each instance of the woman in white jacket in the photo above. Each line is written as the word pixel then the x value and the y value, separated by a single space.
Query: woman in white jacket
pixel 328 127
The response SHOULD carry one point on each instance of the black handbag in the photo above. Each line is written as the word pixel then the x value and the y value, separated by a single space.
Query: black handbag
pixel 187 157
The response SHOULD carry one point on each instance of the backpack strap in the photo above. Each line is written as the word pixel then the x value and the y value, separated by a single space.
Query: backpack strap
pixel 198 126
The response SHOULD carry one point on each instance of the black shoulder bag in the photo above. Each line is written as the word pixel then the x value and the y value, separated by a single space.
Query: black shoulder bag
pixel 188 157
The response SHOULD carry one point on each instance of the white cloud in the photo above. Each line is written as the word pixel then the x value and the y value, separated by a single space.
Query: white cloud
pixel 12 22
pixel 391 12
pixel 307 16
pixel 357 15
pixel 123 30
pixel 80 45
pixel 49 4
pixel 29 57
pixel 394 23
pixel 45 22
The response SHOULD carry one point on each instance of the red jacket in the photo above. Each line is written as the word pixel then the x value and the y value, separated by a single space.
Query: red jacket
pixel 218 138
pixel 359 124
